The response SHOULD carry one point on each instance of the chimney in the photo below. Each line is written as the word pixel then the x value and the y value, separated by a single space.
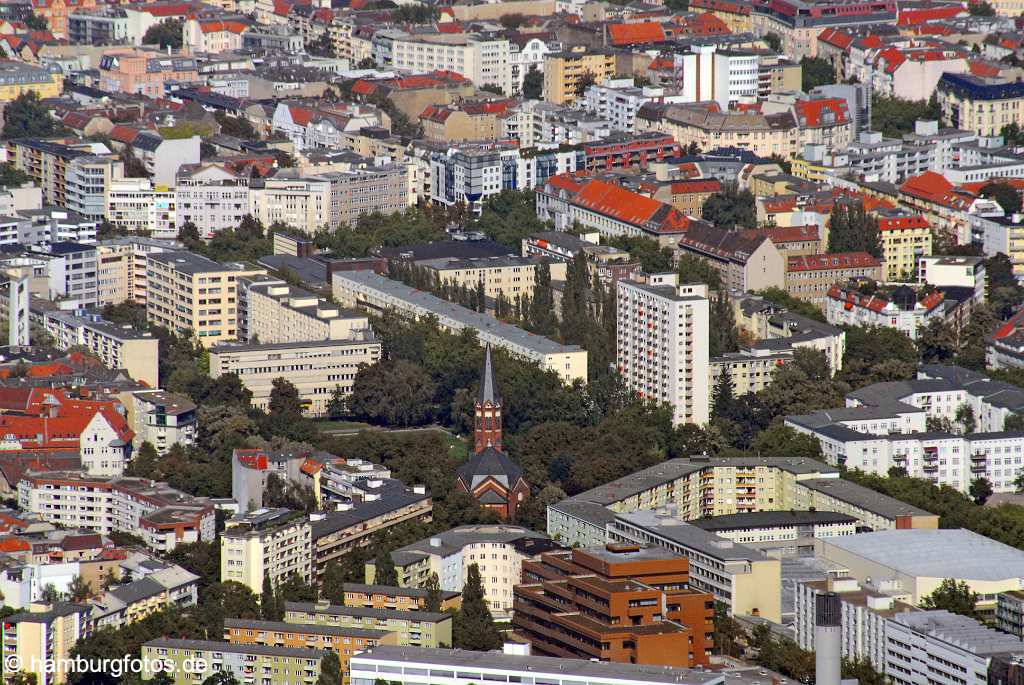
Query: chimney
pixel 828 620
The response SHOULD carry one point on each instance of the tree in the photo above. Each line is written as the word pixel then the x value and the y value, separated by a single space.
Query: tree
pixel 189 235
pixel 1018 482
pixel 875 354
pixel 284 400
pixel 384 571
pixel 816 72
pixel 773 41
pixel 937 342
pixel 965 417
pixel 432 602
pixel 49 594
pixel 133 166
pixel 1012 134
pixel 723 336
pixel 78 589
pixel 780 440
pixel 980 490
pixel 1005 292
pixel 12 176
pixel 392 393
pixel 894 116
pixel 166 34
pixel 852 229
pixel 954 596
pixel 239 127
pixel 336 405
pixel 332 587
pixel 26 117
pixel 35 22
pixel 981 9
pixel 1003 193
pixel 533 84
pixel 227 677
pixel 330 669
pixel 586 80
pixel 473 626
pixel 693 269
pixel 730 208
pixel 268 608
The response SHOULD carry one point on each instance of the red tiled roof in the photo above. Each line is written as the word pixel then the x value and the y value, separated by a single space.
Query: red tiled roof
pixel 46 370
pixel 166 10
pixel 301 115
pixel 838 260
pixel 982 68
pixel 976 186
pixel 902 223
pixel 788 234
pixel 873 42
pixel 927 184
pixel 322 15
pixel 450 27
pixel 707 25
pixel 911 17
pixel 660 63
pixel 631 208
pixel 11 544
pixel 123 134
pixel 813 112
pixel 696 185
pixel 436 114
pixel 218 26
pixel 636 34
pixel 565 182
pixel 836 38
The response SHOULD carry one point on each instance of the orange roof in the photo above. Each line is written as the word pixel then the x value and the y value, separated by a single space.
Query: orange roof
pixel 565 182
pixel 902 223
pixel 976 186
pixel 624 205
pixel 788 234
pixel 123 134
pixel 836 38
pixel 927 184
pixel 14 544
pixel 707 25
pixel 301 115
pixel 910 17
pixel 219 25
pixel 982 68
pixel 696 185
pixel 814 112
pixel 633 34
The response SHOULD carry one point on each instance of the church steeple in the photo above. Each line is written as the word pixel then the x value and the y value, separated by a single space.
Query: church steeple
pixel 487 414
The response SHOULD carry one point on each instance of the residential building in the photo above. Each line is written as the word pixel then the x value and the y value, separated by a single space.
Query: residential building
pixel 618 100
pixel 980 105
pixel 798 22
pixel 649 615
pixel 72 273
pixel 316 368
pixel 920 560
pixel 508 276
pixel 1006 346
pixel 164 419
pixel 710 128
pixel 659 322
pixel 906 238
pixel 118 347
pixel 41 639
pixel 162 516
pixel 902 309
pixel 1000 234
pixel 744 261
pixel 134 70
pixel 266 544
pixel 378 294
pixel 137 205
pixel 99 26
pixel 809 278
pixel 689 195
pixel 17 77
pixel 275 312
pixel 483 59
pixel 343 640
pixel 938 646
pixel 778 526
pixel 402 665
pixel 1010 612
pixel 564 71
pixel 396 598
pixel 420 629
pixel 607 262
pixel 123 267
pixel 70 176
pixel 133 601
pixel 211 197
pixel 954 272
pixel 284 665
pixel 498 551
pixel 193 295
pixel 47 225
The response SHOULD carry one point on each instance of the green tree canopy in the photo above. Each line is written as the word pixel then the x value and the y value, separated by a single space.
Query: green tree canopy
pixel 473 626
pixel 26 117
pixel 166 34
pixel 954 596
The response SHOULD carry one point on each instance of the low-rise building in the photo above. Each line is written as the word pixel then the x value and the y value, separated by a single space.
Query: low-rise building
pixel 394 597
pixel 277 665
pixel 954 272
pixel 809 278
pixel 1010 612
pixel 266 544
pixel 17 77
pixel 125 604
pixel 778 526
pixel 902 309
pixel 421 629
pixel 276 312
pixel 744 261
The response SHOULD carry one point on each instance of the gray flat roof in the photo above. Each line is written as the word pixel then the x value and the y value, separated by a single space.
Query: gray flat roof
pixel 572 668
pixel 771 519
pixel 192 263
pixel 690 536
pixel 961 632
pixel 216 646
pixel 935 553
pixel 360 612
pixel 449 310
pixel 315 628
pixel 229 347
pixel 862 497
pixel 395 591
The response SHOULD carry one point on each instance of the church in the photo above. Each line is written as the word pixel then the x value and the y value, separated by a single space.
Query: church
pixel 489 476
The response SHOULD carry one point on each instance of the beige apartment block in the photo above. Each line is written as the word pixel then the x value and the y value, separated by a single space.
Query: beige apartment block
pixel 563 72
pixel 193 295
pixel 314 368
pixel 122 267
pixel 509 275
pixel 280 313
pixel 118 347
pixel 266 543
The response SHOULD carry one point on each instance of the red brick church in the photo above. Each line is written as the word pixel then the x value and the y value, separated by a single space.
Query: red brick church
pixel 489 476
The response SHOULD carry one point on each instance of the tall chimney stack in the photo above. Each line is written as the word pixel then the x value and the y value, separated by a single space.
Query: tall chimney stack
pixel 828 620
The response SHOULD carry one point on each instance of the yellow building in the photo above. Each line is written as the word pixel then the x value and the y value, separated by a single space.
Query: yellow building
pixel 905 239
pixel 17 78
pixel 564 71
pixel 735 15
pixel 193 295
pixel 266 543
pixel 763 135
pixel 511 276
pixel 41 639
pixel 117 347
pixel 980 105
pixel 425 629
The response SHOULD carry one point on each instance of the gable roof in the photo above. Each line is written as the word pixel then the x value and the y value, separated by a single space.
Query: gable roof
pixel 822 112
pixel 633 34
pixel 834 260
pixel 486 464
pixel 631 208
pixel 736 246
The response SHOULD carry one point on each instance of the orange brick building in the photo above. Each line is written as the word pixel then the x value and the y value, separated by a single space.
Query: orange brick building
pixel 623 603
pixel 396 598
pixel 345 641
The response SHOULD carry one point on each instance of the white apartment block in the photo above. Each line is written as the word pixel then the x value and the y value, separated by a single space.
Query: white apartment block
pixel 266 543
pixel 315 368
pixel 940 648
pixel 72 270
pixel 137 205
pixel 210 197
pixel 280 313
pixel 162 516
pixel 483 60
pixel 304 203
pixel 662 344
pixel 617 100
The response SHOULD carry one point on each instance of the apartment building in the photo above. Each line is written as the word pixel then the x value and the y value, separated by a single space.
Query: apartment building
pixel 906 238
pixel 193 295
pixel 135 70
pixel 902 309
pixel 280 313
pixel 758 527
pixel 367 290
pixel 954 272
pixel 763 135
pixel 265 544
pixel 135 600
pixel 69 175
pixel 745 260
pixel 118 347
pixel 163 419
pixel 138 205
pixel 799 22
pixel 393 597
pixel 497 550
pixel 980 105
pixel 301 202
pixel 72 271
pixel 483 59
pixel 276 665
pixel 342 640
pixel 1010 612
pixel 316 368
pixel 123 267
pixel 940 647
pixel 809 277
pixel 40 640
pixel 17 77
pixel 564 71
pixel 659 322
pixel 508 276
pixel 210 197
pixel 162 516
pixel 689 196
pixel 47 225
pixel 1000 234
pixel 402 666
pixel 421 629
pixel 690 489
pixel 649 615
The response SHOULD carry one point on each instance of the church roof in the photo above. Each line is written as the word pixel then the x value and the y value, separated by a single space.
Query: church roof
pixel 488 382
pixel 492 497
pixel 489 463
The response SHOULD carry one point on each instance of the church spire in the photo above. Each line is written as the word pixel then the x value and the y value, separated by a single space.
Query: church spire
pixel 487 411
